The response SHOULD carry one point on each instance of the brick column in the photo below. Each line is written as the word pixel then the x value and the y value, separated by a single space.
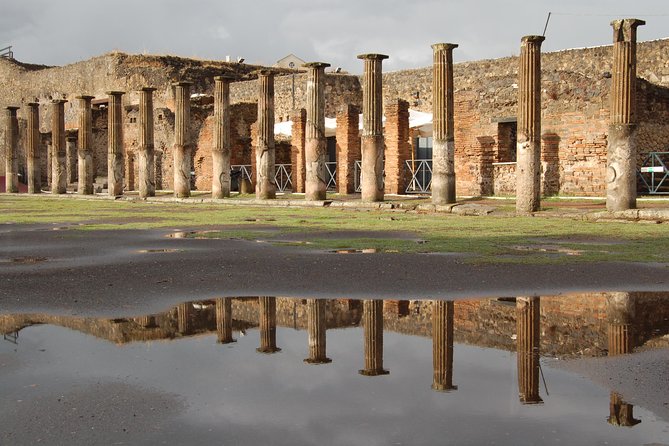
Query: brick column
pixel 267 325
pixel 621 150
pixel 528 165
pixel 184 318
pixel 398 149
pixel 48 141
pixel 220 154
pixel 298 142
pixel 443 143
pixel 129 170
pixel 316 326
pixel 265 167
pixel 85 149
pixel 146 145
pixel 115 154
pixel 182 140
pixel 58 179
pixel 33 149
pixel 71 159
pixel 528 342
pixel 372 315
pixel 442 345
pixel 316 148
pixel 11 151
pixel 224 320
pixel 372 128
pixel 348 148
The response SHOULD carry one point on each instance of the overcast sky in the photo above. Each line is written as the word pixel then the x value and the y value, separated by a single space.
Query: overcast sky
pixel 335 31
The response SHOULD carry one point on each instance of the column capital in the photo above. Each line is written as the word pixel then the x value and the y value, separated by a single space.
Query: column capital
pixel 624 30
pixel 372 56
pixel 225 78
pixel 58 101
pixel 444 46
pixel 148 89
pixel 115 93
pixel 85 97
pixel 182 84
pixel 533 39
pixel 316 65
pixel 33 104
pixel 12 108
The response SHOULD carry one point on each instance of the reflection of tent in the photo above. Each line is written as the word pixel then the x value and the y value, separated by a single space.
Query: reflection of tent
pixel 417 120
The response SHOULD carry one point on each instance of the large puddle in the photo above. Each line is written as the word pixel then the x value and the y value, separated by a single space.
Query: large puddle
pixel 343 371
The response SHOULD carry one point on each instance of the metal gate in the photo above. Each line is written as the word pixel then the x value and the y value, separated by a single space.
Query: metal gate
pixel 654 173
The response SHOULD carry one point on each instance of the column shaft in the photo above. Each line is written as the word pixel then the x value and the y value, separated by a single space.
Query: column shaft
pixel 184 318
pixel 220 177
pixel 372 315
pixel 622 151
pixel 620 315
pixel 265 165
pixel 267 325
pixel 442 345
pixel 443 144
pixel 224 320
pixel 528 340
pixel 71 159
pixel 146 149
pixel 182 140
pixel 316 146
pixel 33 150
pixel 115 155
pixel 85 149
pixel 316 326
pixel 11 151
pixel 58 177
pixel 528 151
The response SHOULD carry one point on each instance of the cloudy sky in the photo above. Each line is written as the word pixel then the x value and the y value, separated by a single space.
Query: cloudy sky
pixel 335 31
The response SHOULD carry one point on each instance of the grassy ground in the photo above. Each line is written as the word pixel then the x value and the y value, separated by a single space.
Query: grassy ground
pixel 489 239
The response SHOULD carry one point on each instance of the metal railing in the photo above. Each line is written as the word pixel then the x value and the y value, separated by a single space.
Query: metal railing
pixel 243 169
pixel 331 170
pixel 283 177
pixel 356 177
pixel 654 173
pixel 421 176
pixel 7 52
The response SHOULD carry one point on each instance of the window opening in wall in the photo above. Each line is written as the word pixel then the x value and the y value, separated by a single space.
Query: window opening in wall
pixel 332 149
pixel 506 141
pixel 133 120
pixel 423 148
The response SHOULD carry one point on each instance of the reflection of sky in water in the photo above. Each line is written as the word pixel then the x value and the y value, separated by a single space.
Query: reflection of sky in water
pixel 233 392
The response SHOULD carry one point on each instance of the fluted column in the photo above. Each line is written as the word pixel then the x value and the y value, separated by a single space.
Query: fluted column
pixel 71 159
pixel 316 147
pixel 85 149
pixel 184 318
pixel 443 143
pixel 265 165
pixel 372 315
pixel 267 325
pixel 224 320
pixel 316 326
pixel 371 179
pixel 33 149
pixel 58 177
pixel 621 149
pixel 182 140
pixel 220 154
pixel 145 149
pixel 528 151
pixel 621 413
pixel 115 156
pixel 11 151
pixel 620 313
pixel 528 348
pixel 442 345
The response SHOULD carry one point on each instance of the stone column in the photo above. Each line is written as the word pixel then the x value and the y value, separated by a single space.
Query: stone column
pixel 146 148
pixel 267 325
pixel 443 143
pixel 621 149
pixel 398 149
pixel 11 151
pixel 182 142
pixel 184 318
pixel 620 313
pixel 220 175
pixel 224 320
pixel 58 179
pixel 528 150
pixel 85 149
pixel 316 326
pixel 71 159
pixel 115 155
pixel 316 147
pixel 372 315
pixel 265 184
pixel 528 348
pixel 372 128
pixel 348 148
pixel 33 150
pixel 298 143
pixel 442 345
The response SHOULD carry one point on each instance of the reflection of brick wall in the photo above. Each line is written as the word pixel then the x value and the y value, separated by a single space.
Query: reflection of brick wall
pixel 398 149
pixel 348 147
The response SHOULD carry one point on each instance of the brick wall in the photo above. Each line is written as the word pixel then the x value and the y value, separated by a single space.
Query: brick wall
pixel 398 149
pixel 348 147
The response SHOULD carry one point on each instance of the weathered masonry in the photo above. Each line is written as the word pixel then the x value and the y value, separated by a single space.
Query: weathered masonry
pixel 576 112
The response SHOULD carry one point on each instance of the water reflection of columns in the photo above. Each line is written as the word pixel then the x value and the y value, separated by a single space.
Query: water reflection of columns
pixel 372 315
pixel 224 320
pixel 183 318
pixel 442 345
pixel 528 343
pixel 620 412
pixel 316 326
pixel 267 325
